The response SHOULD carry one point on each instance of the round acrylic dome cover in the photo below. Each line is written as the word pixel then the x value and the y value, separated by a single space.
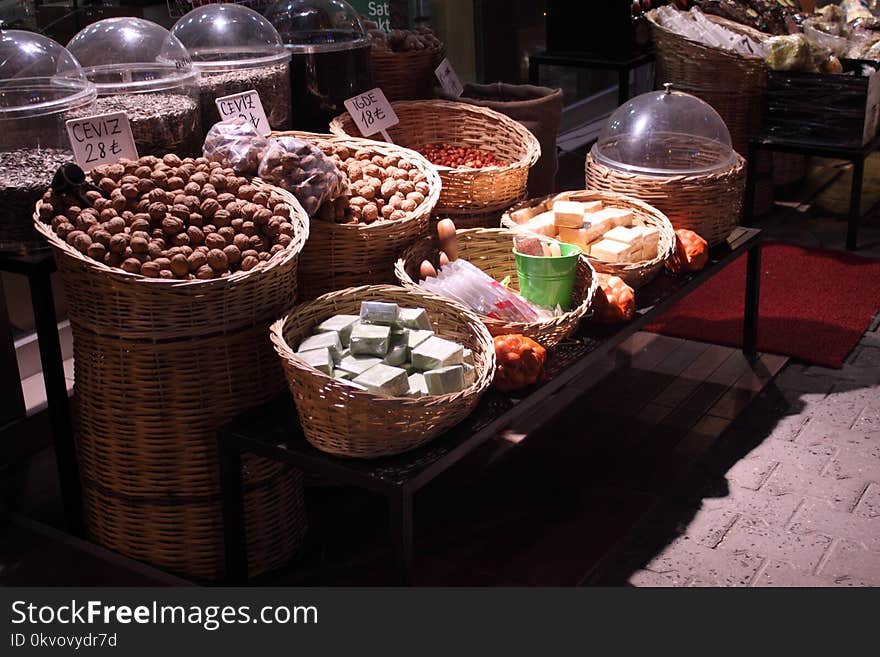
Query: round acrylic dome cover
pixel 131 54
pixel 665 133
pixel 223 36
pixel 317 25
pixel 39 76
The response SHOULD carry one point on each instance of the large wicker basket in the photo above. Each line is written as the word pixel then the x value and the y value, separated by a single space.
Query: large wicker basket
pixel 160 366
pixel 343 255
pixel 491 249
pixel 635 274
pixel 407 75
pixel 731 83
pixel 339 419
pixel 474 198
pixel 709 204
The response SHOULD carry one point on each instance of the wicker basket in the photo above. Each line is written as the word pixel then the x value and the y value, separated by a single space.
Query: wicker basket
pixel 635 274
pixel 491 249
pixel 709 204
pixel 734 85
pixel 342 255
pixel 339 419
pixel 407 75
pixel 466 193
pixel 161 365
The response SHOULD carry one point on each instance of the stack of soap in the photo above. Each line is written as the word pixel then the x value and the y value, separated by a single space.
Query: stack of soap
pixel 341 324
pixel 650 241
pixel 328 340
pixel 611 251
pixel 568 214
pixel 384 380
pixel 629 236
pixel 370 340
pixel 543 224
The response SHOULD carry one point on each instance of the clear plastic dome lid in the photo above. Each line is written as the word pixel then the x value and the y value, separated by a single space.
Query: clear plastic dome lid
pixel 318 25
pixel 131 55
pixel 39 76
pixel 665 133
pixel 220 37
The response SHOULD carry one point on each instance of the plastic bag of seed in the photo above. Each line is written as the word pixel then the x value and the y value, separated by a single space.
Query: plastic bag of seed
pixel 236 144
pixel 304 171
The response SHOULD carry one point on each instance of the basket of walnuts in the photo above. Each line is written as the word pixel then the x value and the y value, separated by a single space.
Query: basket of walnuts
pixel 356 238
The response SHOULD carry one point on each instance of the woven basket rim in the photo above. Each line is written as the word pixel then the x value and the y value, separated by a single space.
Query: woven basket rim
pixel 422 210
pixel 723 22
pixel 734 169
pixel 532 145
pixel 610 197
pixel 392 54
pixel 286 352
pixel 197 285
pixel 574 315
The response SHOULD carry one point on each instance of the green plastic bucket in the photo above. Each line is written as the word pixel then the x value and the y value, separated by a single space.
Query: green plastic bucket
pixel 548 282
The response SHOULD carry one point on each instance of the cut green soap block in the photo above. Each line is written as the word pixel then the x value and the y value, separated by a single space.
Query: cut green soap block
pixel 357 364
pixel 341 324
pixel 379 312
pixel 320 359
pixel 384 380
pixel 329 340
pixel 397 354
pixel 445 380
pixel 417 385
pixel 468 357
pixel 342 375
pixel 415 337
pixel 470 374
pixel 370 340
pixel 414 318
pixel 435 353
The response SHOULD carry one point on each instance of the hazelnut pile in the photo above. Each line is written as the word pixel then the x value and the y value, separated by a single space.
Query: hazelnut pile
pixel 421 38
pixel 383 188
pixel 171 218
pixel 459 157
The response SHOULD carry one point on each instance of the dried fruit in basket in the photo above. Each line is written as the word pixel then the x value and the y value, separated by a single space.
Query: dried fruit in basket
pixel 615 300
pixel 691 252
pixel 520 362
pixel 459 157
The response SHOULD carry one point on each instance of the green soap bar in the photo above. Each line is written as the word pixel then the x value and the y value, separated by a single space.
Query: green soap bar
pixel 384 380
pixel 435 353
pixel 417 385
pixel 341 324
pixel 352 384
pixel 370 340
pixel 409 367
pixel 357 364
pixel 342 354
pixel 379 312
pixel 445 380
pixel 468 357
pixel 414 338
pixel 329 340
pixel 396 355
pixel 470 374
pixel 414 318
pixel 342 375
pixel 320 359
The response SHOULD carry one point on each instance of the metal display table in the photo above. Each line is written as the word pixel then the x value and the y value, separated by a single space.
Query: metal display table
pixel 622 64
pixel 38 268
pixel 273 431
pixel 856 155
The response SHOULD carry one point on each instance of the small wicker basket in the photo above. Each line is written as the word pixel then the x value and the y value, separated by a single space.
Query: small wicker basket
pixel 407 75
pixel 344 255
pixel 339 419
pixel 469 196
pixel 710 204
pixel 491 249
pixel 634 274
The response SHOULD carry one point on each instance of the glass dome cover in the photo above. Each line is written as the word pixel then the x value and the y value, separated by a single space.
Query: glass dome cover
pixel 130 55
pixel 39 76
pixel 224 36
pixel 665 133
pixel 318 25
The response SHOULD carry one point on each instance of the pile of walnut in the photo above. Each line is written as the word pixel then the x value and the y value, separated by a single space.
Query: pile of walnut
pixel 421 38
pixel 172 218
pixel 384 188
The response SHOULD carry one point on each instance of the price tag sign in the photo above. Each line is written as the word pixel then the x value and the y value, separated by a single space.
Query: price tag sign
pixel 102 139
pixel 246 105
pixel 449 78
pixel 372 113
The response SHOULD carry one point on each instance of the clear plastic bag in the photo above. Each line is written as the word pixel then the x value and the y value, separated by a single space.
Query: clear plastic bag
pixel 237 144
pixel 304 171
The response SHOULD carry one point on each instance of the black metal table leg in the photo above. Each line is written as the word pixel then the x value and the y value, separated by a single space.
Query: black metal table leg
pixel 232 501
pixel 400 521
pixel 753 289
pixel 12 407
pixel 748 212
pixel 622 86
pixel 855 205
pixel 56 397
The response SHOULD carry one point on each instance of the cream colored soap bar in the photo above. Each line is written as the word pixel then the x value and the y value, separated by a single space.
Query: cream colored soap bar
pixel 614 216
pixel 543 224
pixel 626 235
pixel 592 206
pixel 384 380
pixel 576 236
pixel 568 214
pixel 611 251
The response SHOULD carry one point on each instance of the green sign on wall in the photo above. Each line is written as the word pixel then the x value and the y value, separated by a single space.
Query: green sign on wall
pixel 379 11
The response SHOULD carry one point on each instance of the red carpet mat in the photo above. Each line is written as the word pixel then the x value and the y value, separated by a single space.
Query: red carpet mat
pixel 815 304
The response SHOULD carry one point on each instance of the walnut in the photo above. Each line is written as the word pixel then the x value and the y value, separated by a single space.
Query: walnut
pixel 205 273
pixel 226 233
pixel 249 262
pixel 233 254
pixel 132 265
pixel 181 239
pixel 370 213
pixel 217 259
pixel 222 218
pixel 196 261
pixel 408 206
pixel 81 241
pixel 179 265
pixel 139 244
pixel 196 236
pixel 215 241
pixel 241 241
pixel 172 226
pixel 97 251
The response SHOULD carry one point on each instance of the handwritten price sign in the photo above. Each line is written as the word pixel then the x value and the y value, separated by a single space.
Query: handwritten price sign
pixel 372 113
pixel 102 139
pixel 246 105
pixel 449 78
